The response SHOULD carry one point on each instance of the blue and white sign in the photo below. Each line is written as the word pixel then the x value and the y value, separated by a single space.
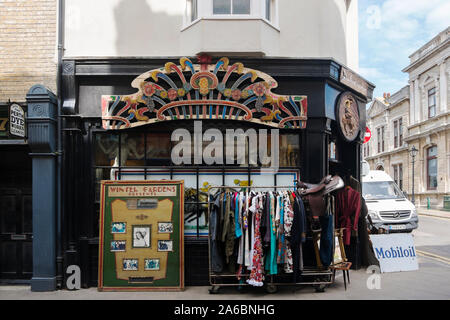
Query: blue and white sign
pixel 395 251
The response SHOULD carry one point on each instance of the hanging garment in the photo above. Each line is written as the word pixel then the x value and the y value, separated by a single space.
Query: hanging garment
pixel 257 274
pixel 271 264
pixel 367 253
pixel 245 214
pixel 281 240
pixel 238 231
pixel 348 208
pixel 288 219
pixel 229 231
pixel 298 235
pixel 326 240
pixel 215 253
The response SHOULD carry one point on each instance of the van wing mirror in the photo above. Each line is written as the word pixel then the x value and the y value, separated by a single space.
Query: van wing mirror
pixel 405 194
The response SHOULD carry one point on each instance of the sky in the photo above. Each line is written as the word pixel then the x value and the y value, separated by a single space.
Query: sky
pixel 390 31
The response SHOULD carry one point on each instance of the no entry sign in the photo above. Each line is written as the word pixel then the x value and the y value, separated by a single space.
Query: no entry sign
pixel 367 135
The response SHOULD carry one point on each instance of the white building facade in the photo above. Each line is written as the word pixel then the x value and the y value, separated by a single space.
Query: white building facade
pixel 423 107
pixel 255 28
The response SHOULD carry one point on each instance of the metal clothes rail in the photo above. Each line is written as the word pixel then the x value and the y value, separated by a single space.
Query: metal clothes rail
pixel 321 277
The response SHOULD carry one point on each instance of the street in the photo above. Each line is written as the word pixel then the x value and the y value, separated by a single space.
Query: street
pixel 431 281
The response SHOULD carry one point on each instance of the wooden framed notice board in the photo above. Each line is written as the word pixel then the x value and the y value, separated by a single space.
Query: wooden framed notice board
pixel 141 245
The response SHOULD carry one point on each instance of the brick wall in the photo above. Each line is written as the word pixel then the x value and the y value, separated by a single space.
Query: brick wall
pixel 28 42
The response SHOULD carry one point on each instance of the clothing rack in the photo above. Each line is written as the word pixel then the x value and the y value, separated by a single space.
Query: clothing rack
pixel 320 277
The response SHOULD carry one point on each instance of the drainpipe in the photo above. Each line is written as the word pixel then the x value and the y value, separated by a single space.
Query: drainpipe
pixel 60 148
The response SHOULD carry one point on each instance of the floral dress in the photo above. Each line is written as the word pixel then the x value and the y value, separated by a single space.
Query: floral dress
pixel 288 220
pixel 256 275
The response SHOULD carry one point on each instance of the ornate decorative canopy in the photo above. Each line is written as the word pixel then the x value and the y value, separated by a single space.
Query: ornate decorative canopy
pixel 204 91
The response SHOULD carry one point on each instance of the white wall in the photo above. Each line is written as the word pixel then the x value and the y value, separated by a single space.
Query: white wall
pixel 150 28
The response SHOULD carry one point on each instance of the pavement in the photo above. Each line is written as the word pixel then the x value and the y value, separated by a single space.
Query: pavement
pixel 423 284
pixel 433 213
pixel 430 282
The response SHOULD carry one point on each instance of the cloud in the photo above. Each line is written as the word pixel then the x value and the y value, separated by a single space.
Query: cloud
pixel 390 31
pixel 370 73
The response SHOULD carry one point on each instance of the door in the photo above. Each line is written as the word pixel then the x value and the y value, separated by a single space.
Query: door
pixel 15 234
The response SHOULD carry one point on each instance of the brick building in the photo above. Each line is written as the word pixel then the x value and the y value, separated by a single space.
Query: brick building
pixel 28 55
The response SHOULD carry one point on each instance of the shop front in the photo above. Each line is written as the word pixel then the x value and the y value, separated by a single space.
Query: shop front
pixel 215 122
pixel 16 229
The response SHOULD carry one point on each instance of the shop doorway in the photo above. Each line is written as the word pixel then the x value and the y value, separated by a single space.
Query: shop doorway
pixel 15 215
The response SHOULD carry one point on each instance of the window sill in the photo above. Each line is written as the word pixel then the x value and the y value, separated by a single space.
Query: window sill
pixel 230 18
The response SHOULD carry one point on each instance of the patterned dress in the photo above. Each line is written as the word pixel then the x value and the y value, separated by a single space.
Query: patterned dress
pixel 256 275
pixel 288 219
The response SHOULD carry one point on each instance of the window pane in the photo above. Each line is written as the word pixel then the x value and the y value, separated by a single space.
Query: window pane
pixel 432 151
pixel 158 149
pixel 106 148
pixel 241 6
pixel 289 150
pixel 193 10
pixel 432 111
pixel 132 149
pixel 268 13
pixel 222 7
pixel 432 173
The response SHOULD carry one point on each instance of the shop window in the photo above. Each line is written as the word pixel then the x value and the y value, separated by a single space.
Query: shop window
pixel 289 150
pixel 106 149
pixel 158 146
pixel 231 6
pixel 432 168
pixel 432 103
pixel 147 156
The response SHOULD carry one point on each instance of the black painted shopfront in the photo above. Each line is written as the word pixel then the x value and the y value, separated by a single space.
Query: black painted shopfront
pixel 92 154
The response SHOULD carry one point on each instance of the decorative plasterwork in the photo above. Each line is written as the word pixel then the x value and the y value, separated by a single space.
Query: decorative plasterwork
pixel 204 91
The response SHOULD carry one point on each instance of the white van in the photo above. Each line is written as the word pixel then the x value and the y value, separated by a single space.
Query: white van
pixel 387 205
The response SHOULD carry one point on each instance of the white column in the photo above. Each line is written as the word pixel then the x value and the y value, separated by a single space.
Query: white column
pixel 412 118
pixel 417 104
pixel 443 87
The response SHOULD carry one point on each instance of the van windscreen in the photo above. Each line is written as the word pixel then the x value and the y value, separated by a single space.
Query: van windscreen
pixel 381 190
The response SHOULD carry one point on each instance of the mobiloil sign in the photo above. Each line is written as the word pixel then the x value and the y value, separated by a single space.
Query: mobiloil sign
pixel 395 252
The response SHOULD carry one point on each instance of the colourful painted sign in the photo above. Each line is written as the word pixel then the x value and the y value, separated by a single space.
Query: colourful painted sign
pixel 204 91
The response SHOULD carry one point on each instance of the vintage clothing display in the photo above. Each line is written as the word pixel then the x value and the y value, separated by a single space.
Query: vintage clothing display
pixel 257 233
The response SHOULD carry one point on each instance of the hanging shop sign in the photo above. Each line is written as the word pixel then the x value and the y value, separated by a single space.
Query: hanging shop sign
pixel 347 116
pixel 17 122
pixel 141 236
pixel 354 81
pixel 204 91
pixel 395 252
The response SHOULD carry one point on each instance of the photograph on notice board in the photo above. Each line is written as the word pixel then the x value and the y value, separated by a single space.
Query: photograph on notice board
pixel 118 245
pixel 165 245
pixel 130 264
pixel 151 264
pixel 118 227
pixel 165 227
pixel 141 236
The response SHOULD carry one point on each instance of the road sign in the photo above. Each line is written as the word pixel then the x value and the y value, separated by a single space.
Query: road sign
pixel 367 135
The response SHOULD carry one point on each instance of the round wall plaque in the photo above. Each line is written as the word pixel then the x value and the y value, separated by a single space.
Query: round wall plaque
pixel 347 116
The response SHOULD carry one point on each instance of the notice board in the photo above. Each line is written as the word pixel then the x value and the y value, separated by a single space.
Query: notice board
pixel 141 245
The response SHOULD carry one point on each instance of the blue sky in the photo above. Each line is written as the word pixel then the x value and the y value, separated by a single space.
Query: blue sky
pixel 390 31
